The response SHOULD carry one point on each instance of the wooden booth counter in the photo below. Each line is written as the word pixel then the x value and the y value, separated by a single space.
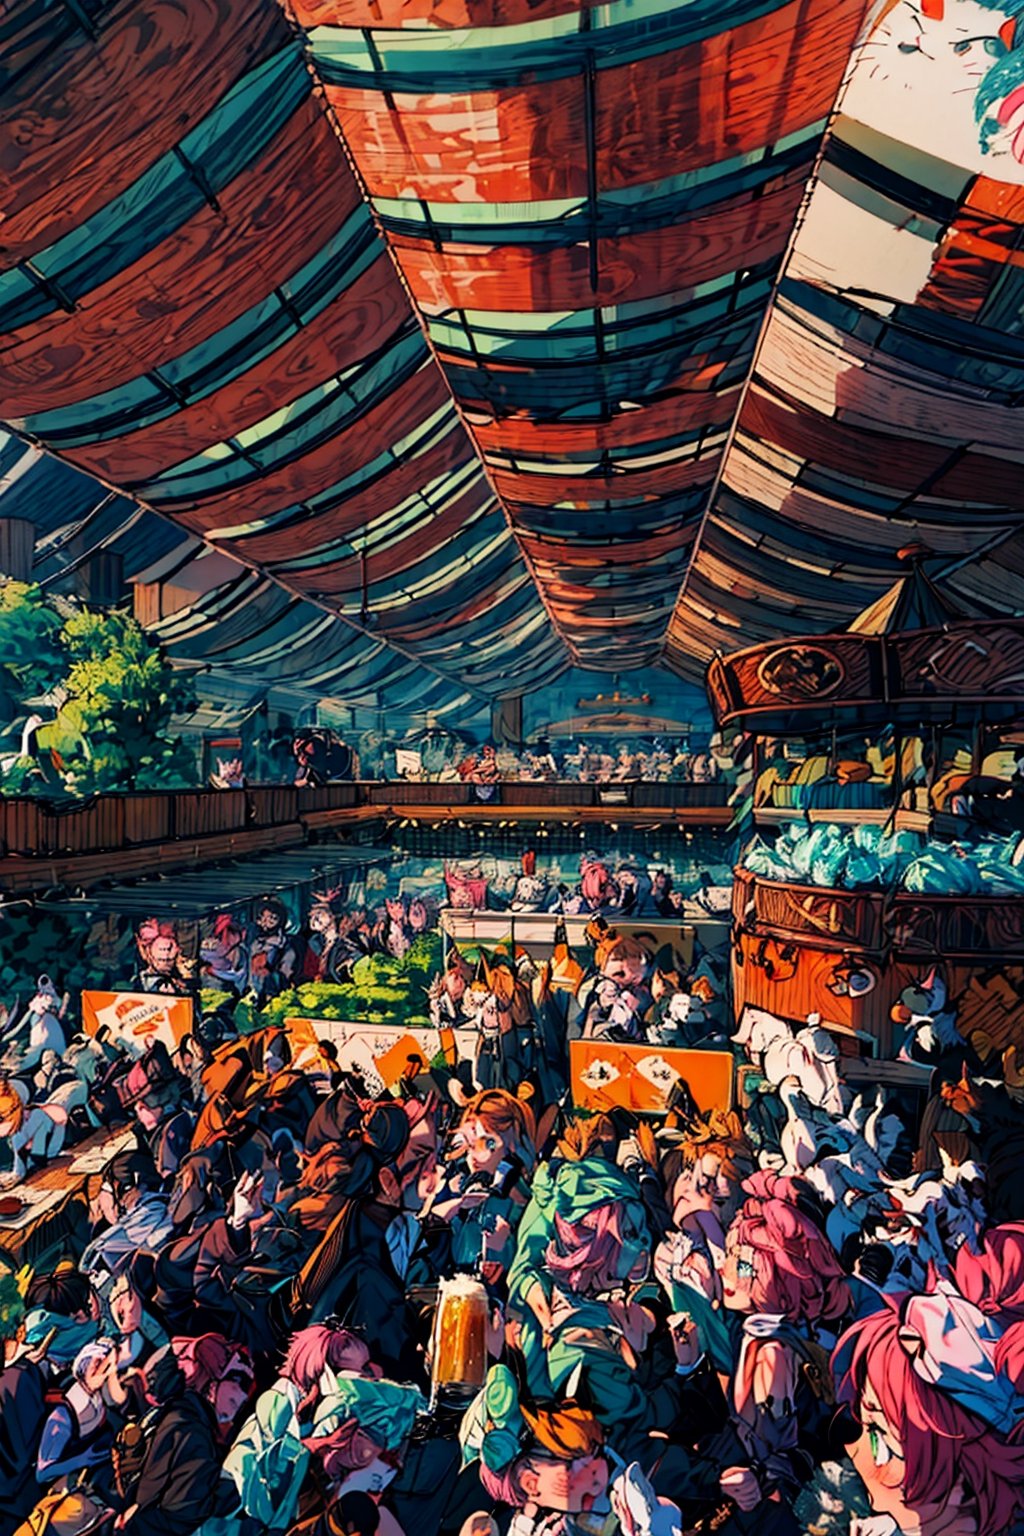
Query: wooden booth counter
pixel 848 955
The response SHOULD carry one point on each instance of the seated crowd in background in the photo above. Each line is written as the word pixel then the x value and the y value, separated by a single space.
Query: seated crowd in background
pixel 322 757
pixel 986 789
pixel 579 762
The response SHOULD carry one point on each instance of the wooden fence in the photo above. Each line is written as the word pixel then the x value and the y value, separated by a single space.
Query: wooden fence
pixel 31 828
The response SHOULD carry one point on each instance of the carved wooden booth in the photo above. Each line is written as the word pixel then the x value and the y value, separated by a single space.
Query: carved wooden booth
pixel 912 666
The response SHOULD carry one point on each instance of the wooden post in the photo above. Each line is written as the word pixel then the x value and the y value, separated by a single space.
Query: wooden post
pixel 17 548
pixel 507 721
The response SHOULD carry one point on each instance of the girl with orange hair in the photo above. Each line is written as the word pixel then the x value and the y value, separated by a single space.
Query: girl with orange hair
pixel 484 1188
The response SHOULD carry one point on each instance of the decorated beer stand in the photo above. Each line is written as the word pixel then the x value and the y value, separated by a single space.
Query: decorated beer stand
pixel 832 911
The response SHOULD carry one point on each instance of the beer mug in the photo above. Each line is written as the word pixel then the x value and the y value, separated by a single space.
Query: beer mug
pixel 458 1349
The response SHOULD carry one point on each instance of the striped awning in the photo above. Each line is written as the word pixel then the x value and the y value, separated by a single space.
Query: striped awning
pixel 884 405
pixel 196 309
pixel 589 204
pixel 488 337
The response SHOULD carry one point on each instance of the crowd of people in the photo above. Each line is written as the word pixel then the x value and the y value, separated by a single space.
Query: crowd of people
pixel 954 778
pixel 623 888
pixel 588 762
pixel 321 756
pixel 264 956
pixel 463 1306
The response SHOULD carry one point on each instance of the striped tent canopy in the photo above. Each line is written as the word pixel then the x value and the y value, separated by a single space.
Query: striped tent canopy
pixel 439 345
pixel 588 204
pixel 227 618
pixel 884 404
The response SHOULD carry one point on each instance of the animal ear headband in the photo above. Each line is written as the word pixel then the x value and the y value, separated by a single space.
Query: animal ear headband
pixel 951 1346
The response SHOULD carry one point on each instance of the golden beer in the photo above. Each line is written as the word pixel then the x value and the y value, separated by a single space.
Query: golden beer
pixel 459 1341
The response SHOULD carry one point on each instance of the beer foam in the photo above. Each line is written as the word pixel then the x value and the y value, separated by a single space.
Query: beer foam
pixel 462 1285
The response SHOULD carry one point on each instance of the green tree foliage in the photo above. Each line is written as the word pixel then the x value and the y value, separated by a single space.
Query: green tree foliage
pixel 122 693
pixel 31 653
pixel 115 694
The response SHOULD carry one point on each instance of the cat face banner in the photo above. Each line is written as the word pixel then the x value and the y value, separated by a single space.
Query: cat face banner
pixel 935 97
pixel 946 77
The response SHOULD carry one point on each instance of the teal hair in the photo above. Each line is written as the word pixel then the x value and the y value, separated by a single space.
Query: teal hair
pixel 1006 73
pixel 68 1335
pixel 493 1428
pixel 386 1410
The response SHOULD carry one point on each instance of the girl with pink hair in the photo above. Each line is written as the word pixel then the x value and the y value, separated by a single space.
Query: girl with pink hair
pixel 783 1275
pixel 930 1464
pixel 269 1457
pixel 582 1251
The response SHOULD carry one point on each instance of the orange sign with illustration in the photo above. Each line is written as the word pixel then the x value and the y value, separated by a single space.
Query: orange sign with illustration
pixel 380 1053
pixel 136 1019
pixel 606 1075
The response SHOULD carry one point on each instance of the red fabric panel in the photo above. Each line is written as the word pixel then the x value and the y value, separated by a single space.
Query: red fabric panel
pixel 878 457
pixel 675 111
pixel 979 478
pixel 736 233
pixel 411 630
pixel 599 556
pixel 435 530
pixel 347 331
pixel 542 490
pixel 672 413
pixel 439 14
pixel 320 468
pixel 77 132
pixel 213 268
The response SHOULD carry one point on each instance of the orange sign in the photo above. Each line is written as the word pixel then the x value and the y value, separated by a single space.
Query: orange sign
pixel 380 1053
pixel 606 1075
pixel 136 1019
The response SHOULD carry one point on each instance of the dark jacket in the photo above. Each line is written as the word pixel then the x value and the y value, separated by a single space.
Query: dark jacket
pixel 237 1271
pixel 353 1278
pixel 23 1412
pixel 178 1486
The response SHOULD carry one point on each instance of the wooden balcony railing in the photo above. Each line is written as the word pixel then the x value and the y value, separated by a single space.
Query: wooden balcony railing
pixel 41 829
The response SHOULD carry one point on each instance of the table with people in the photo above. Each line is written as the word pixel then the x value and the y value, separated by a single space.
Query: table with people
pixel 322 756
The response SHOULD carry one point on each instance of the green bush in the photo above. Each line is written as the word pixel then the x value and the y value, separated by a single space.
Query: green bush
pixel 12 1307
pixel 384 991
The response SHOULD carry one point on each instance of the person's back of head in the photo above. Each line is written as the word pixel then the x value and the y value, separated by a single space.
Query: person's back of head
pixel 354 1514
pixel 64 1291
pixel 132 1170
